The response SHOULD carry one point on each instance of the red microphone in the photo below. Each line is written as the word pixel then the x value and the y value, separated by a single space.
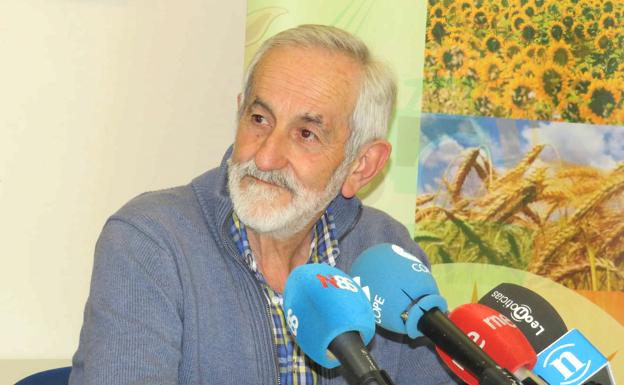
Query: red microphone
pixel 499 337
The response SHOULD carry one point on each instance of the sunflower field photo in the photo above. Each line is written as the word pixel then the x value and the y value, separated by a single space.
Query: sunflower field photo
pixel 526 59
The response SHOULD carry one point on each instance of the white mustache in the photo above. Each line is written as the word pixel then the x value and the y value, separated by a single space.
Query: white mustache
pixel 281 178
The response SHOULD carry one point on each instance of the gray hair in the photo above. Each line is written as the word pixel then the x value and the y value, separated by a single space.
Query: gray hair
pixel 377 94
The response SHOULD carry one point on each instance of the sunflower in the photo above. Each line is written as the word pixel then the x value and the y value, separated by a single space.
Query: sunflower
pixel 513 66
pixel 532 52
pixel 581 83
pixel 528 31
pixel 494 8
pixel 452 59
pixel 511 48
pixel 437 11
pixel 490 68
pixel 600 101
pixel 552 7
pixel 619 116
pixel 465 12
pixel 556 30
pixel 568 19
pixel 493 43
pixel 585 11
pixel 620 72
pixel 578 31
pixel 561 54
pixel 436 30
pixel 519 97
pixel 607 21
pixel 518 21
pixel 607 7
pixel 553 81
pixel 604 41
pixel 592 28
pixel 569 111
pixel 454 36
pixel 480 19
pixel 540 52
pixel 528 10
pixel 528 70
pixel 465 6
pixel 485 100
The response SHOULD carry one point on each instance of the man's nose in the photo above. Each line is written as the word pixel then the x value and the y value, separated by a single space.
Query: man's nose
pixel 272 152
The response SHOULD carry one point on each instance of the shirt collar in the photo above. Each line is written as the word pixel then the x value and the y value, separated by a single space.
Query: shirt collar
pixel 323 248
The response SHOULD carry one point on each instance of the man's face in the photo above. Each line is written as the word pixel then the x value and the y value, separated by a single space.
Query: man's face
pixel 291 138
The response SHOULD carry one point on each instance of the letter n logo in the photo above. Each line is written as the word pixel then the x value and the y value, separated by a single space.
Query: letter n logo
pixel 567 364
pixel 571 360
pixel 330 279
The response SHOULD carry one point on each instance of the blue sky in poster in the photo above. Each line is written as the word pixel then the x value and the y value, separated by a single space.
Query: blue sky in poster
pixel 444 138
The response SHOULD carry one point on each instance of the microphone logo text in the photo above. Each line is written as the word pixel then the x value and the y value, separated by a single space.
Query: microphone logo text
pixel 292 321
pixel 377 304
pixel 519 312
pixel 337 281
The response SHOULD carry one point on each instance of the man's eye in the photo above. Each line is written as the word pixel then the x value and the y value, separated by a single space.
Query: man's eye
pixel 307 134
pixel 258 119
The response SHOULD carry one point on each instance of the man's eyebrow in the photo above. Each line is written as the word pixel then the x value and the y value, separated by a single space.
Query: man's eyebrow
pixel 261 103
pixel 314 119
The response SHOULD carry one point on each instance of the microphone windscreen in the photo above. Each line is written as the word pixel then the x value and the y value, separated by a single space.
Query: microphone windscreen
pixel 322 302
pixel 536 317
pixel 571 360
pixel 495 334
pixel 394 280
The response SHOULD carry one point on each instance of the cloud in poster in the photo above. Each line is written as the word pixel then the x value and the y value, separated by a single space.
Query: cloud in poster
pixel 442 152
pixel 597 146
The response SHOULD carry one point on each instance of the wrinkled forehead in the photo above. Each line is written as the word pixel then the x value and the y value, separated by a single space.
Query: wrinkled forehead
pixel 314 79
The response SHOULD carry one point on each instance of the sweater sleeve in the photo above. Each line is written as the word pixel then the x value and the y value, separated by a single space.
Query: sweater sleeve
pixel 132 328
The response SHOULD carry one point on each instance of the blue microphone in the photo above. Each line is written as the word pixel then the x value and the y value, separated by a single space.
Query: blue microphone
pixel 405 299
pixel 331 319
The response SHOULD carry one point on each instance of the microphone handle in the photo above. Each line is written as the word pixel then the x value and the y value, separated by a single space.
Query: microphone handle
pixel 497 376
pixel 435 325
pixel 356 364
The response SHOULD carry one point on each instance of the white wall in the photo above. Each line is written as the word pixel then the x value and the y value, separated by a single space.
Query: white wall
pixel 99 100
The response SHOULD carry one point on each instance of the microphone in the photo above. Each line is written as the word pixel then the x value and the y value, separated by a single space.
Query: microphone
pixel 405 299
pixel 499 337
pixel 332 321
pixel 565 357
pixel 531 313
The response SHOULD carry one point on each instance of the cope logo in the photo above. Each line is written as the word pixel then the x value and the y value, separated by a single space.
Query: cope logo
pixel 570 360
pixel 417 266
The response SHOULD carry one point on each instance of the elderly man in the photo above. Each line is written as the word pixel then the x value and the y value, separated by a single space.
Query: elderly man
pixel 187 282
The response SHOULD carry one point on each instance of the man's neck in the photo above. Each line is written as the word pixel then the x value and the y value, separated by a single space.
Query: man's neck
pixel 277 257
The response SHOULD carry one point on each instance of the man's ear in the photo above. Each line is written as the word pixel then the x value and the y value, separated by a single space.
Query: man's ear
pixel 239 97
pixel 370 161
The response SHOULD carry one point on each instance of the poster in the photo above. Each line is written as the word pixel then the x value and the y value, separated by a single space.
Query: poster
pixel 508 152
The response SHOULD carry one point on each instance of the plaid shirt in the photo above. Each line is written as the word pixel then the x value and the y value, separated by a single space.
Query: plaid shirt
pixel 294 367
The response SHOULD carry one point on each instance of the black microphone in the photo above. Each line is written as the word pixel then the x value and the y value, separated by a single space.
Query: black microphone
pixel 550 337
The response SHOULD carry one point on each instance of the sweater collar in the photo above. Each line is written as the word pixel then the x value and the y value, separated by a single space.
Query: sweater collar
pixel 214 198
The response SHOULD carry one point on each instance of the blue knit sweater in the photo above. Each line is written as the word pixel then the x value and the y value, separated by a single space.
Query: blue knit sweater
pixel 171 301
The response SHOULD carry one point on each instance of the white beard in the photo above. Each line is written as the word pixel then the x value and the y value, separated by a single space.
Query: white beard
pixel 257 205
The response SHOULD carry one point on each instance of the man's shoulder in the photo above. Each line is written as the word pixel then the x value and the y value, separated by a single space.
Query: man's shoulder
pixel 158 203
pixel 378 221
pixel 375 226
pixel 174 207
